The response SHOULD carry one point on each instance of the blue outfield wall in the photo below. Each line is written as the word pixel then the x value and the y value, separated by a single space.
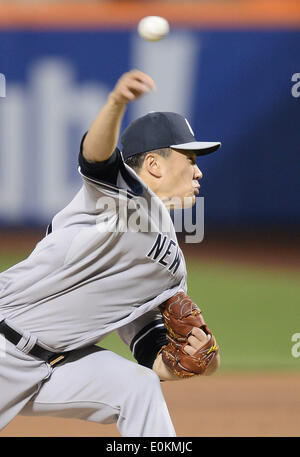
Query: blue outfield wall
pixel 239 87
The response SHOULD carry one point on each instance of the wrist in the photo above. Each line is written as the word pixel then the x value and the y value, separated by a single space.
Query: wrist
pixel 114 100
pixel 163 371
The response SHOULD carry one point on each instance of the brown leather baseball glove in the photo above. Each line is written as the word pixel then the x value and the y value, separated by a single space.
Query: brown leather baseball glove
pixel 180 314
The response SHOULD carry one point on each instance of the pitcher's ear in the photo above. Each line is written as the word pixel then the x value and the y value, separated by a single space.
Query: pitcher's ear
pixel 153 164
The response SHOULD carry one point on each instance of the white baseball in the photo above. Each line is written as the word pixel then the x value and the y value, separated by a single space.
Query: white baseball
pixel 153 28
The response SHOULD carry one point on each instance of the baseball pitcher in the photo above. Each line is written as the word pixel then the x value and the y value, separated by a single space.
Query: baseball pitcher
pixel 110 261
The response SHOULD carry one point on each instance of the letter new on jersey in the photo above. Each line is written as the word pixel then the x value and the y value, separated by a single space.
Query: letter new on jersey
pixel 166 252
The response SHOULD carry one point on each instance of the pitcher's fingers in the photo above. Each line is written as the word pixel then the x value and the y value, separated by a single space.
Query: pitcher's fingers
pixel 189 350
pixel 125 92
pixel 199 334
pixel 137 86
pixel 195 342
pixel 145 78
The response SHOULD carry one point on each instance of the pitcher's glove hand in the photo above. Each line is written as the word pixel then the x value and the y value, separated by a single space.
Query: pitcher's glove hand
pixel 180 315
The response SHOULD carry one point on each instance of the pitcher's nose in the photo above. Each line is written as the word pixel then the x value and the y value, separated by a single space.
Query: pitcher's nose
pixel 197 173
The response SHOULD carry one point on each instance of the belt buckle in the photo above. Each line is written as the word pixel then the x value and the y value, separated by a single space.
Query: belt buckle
pixel 56 360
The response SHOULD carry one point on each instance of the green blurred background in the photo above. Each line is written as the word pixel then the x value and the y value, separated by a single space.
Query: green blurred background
pixel 252 308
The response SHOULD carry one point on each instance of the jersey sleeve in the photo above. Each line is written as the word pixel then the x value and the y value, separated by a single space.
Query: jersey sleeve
pixel 145 336
pixel 111 173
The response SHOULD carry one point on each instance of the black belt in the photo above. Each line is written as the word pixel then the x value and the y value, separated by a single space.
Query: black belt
pixel 37 351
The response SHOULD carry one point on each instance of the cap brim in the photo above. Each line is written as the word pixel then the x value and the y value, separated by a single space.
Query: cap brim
pixel 200 147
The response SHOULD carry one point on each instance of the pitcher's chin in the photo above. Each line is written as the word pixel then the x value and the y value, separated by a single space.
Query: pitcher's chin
pixel 179 202
pixel 188 202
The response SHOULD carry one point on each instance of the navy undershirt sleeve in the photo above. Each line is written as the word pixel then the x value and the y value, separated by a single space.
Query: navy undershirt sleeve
pixel 105 171
pixel 147 343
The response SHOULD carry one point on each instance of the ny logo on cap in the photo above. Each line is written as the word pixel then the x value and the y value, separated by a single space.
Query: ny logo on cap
pixel 2 85
pixel 188 124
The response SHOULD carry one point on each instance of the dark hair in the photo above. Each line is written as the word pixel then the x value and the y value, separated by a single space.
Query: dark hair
pixel 136 161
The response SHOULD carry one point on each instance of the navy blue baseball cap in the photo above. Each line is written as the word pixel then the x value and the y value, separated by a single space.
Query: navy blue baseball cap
pixel 157 130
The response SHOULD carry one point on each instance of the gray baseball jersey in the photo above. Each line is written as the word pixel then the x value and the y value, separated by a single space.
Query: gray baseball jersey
pixel 109 259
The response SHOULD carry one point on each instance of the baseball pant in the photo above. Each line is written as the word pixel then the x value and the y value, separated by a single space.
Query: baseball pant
pixel 92 384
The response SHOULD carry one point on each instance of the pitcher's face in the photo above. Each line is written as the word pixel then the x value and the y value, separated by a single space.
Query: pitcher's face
pixel 180 178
